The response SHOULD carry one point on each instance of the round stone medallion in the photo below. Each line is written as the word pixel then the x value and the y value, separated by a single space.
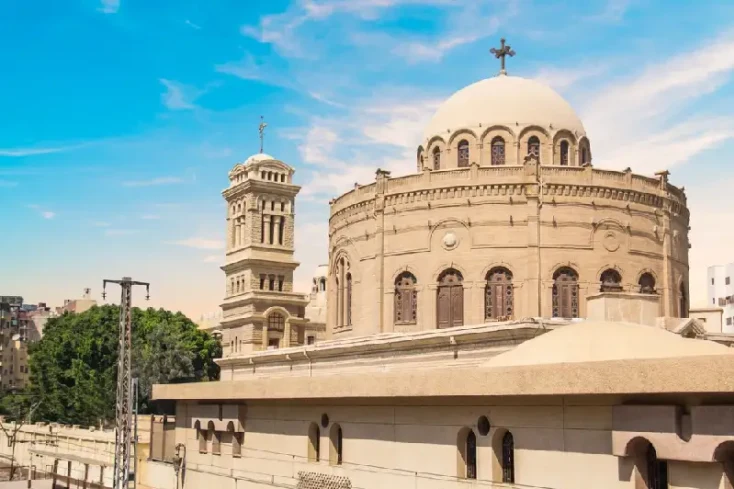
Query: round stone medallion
pixel 611 242
pixel 450 240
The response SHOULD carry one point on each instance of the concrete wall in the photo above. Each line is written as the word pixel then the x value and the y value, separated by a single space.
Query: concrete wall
pixel 559 443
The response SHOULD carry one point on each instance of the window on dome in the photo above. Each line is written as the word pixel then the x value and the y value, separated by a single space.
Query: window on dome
pixel 564 153
pixel 534 147
pixel 436 159
pixel 498 151
pixel 406 297
pixel 647 283
pixel 463 153
pixel 611 281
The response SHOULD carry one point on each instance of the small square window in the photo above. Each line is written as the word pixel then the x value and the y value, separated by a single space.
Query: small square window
pixel 310 340
pixel 712 281
pixel 728 321
pixel 726 281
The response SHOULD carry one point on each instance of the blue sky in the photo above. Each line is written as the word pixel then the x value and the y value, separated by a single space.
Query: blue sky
pixel 121 118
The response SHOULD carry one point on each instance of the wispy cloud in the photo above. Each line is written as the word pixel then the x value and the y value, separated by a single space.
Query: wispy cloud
pixel 44 213
pixel 21 152
pixel 200 243
pixel 109 6
pixel 563 78
pixel 213 259
pixel 613 11
pixel 636 119
pixel 150 217
pixel 248 68
pixel 101 224
pixel 153 182
pixel 192 25
pixel 120 232
pixel 179 96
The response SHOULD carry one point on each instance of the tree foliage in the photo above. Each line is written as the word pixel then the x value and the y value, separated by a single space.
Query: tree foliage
pixel 73 368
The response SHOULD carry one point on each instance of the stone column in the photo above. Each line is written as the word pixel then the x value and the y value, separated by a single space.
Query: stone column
pixel 266 230
pixel 243 232
pixel 534 274
pixel 287 333
pixel 381 182
pixel 276 226
pixel 264 336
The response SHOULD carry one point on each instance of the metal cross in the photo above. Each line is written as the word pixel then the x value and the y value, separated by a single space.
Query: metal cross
pixel 501 53
pixel 261 130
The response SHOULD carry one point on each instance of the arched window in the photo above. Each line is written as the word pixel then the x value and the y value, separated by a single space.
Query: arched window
pixel 657 470
pixel 611 281
pixel 585 155
pixel 276 322
pixel 647 284
pixel 564 153
pixel 471 455
pixel 336 442
pixel 322 284
pixel 436 158
pixel 201 437
pixel 314 443
pixel 450 299
pixel 213 435
pixel 682 301
pixel 235 439
pixel 349 300
pixel 406 299
pixel 498 151
pixel 508 458
pixel 498 304
pixel 463 153
pixel 534 147
pixel 565 293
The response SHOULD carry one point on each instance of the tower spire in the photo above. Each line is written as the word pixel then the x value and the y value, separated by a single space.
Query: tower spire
pixel 501 53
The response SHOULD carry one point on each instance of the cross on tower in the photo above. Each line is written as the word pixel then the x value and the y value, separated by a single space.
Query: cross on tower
pixel 501 53
pixel 261 130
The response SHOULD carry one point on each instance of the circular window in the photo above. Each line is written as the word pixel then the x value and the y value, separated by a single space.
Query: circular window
pixel 483 425
pixel 324 420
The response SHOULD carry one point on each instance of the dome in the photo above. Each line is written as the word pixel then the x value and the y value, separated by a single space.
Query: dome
pixel 503 100
pixel 257 158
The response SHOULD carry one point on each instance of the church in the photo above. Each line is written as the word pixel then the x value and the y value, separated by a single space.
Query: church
pixel 506 316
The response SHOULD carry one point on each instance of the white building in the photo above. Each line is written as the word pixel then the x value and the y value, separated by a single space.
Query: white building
pixel 720 283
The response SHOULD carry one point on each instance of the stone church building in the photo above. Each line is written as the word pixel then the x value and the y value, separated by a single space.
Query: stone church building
pixel 506 316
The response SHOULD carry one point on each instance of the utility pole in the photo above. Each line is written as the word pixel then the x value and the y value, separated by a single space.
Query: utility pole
pixel 123 408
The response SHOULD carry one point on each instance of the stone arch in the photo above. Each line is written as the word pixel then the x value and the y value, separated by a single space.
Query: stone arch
pixel 495 264
pixel 466 454
pixel 314 443
pixel 584 144
pixel 566 264
pixel 611 279
pixel 277 309
pixel 649 471
pixel 497 128
pixel 646 272
pixel 463 132
pixel 436 275
pixel 402 269
pixel 420 155
pixel 560 136
pixel 442 225
pixel 433 140
pixel 527 132
pixel 336 445
pixel 501 472
pixel 724 454
pixel 609 224
pixel 609 266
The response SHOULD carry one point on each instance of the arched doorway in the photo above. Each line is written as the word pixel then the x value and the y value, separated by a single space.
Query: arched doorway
pixel 450 299
pixel 565 293
pixel 498 298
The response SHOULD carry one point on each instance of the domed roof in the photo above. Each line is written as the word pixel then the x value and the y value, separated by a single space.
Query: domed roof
pixel 256 158
pixel 503 100
pixel 596 341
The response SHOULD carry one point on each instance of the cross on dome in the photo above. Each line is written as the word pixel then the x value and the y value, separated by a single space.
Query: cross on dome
pixel 501 53
pixel 261 130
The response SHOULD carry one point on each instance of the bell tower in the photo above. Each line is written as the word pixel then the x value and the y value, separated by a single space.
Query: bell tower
pixel 260 310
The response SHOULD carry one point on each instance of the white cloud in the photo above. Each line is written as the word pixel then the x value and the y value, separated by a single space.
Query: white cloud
pixel 200 243
pixel 213 259
pixel 20 152
pixel 48 214
pixel 192 25
pixel 109 6
pixel 179 96
pixel 633 122
pixel 318 145
pixel 311 251
pixel 562 78
pixel 153 182
pixel 44 213
pixel 248 69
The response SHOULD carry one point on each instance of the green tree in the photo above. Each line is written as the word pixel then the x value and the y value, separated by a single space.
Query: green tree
pixel 73 368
